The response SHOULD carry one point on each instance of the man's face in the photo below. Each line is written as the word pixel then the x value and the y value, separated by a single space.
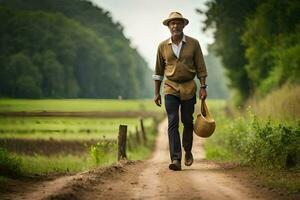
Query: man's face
pixel 176 27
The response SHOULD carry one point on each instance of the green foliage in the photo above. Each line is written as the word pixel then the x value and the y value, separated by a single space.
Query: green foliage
pixel 258 42
pixel 268 144
pixel 103 151
pixel 10 164
pixel 102 154
pixel 276 145
pixel 74 48
pixel 58 164
pixel 227 19
pixel 272 39
pixel 21 77
pixel 76 129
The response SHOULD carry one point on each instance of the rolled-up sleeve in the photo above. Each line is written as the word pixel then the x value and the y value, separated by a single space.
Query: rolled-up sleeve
pixel 160 65
pixel 199 62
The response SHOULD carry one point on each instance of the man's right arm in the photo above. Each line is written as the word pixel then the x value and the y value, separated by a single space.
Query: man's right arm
pixel 157 97
pixel 158 76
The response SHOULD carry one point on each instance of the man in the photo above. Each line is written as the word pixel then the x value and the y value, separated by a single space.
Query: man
pixel 179 59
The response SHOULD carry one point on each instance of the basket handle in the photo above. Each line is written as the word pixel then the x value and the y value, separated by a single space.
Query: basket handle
pixel 204 109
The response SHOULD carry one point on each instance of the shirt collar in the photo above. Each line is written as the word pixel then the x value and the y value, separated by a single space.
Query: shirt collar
pixel 183 39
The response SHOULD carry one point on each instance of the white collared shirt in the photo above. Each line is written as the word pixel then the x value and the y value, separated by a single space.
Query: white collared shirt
pixel 176 49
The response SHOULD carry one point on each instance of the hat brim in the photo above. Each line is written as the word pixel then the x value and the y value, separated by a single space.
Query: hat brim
pixel 166 21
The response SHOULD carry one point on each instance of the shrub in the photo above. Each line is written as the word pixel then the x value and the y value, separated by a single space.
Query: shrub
pixel 103 151
pixel 9 164
pixel 276 145
pixel 252 141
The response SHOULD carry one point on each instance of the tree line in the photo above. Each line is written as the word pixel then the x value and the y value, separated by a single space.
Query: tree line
pixel 258 42
pixel 67 49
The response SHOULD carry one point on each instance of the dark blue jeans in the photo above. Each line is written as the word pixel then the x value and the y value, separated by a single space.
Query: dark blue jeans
pixel 172 104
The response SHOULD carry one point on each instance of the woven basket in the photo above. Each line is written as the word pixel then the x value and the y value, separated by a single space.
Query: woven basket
pixel 204 125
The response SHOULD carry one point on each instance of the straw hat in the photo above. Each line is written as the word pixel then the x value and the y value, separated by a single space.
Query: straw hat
pixel 205 124
pixel 175 15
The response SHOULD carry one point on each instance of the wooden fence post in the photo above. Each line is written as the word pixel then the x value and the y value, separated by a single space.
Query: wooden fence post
pixel 122 142
pixel 143 131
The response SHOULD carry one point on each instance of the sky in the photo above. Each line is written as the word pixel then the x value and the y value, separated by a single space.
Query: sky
pixel 142 22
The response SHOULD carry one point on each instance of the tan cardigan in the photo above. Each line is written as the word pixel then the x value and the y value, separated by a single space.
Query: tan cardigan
pixel 180 72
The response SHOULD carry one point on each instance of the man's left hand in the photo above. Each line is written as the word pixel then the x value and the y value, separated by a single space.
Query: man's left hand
pixel 202 94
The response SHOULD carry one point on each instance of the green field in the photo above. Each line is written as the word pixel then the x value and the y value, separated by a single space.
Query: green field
pixel 66 128
pixel 46 145
pixel 77 105
pixel 43 145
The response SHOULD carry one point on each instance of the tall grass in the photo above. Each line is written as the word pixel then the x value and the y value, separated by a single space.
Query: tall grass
pixel 282 104
pixel 267 134
pixel 271 148
pixel 254 142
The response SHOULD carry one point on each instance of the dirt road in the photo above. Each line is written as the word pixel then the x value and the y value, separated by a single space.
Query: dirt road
pixel 152 179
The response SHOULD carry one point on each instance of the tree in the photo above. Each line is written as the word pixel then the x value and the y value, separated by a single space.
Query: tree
pixel 22 77
pixel 272 39
pixel 227 18
pixel 78 49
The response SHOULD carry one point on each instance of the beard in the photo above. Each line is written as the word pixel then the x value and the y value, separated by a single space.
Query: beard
pixel 176 33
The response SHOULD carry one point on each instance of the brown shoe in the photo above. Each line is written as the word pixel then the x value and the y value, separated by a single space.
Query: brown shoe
pixel 188 159
pixel 175 165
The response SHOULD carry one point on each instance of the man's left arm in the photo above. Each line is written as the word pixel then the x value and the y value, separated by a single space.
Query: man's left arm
pixel 201 71
pixel 202 91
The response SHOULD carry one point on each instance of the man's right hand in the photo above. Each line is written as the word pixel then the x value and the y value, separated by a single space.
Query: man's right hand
pixel 157 99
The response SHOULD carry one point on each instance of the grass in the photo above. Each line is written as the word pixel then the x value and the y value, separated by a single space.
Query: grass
pixel 271 150
pixel 142 152
pixel 43 165
pixel 65 128
pixel 266 137
pixel 62 163
pixel 69 128
pixel 139 153
pixel 282 104
pixel 9 164
pixel 78 105
pixel 136 150
pixel 256 142
pixel 287 180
